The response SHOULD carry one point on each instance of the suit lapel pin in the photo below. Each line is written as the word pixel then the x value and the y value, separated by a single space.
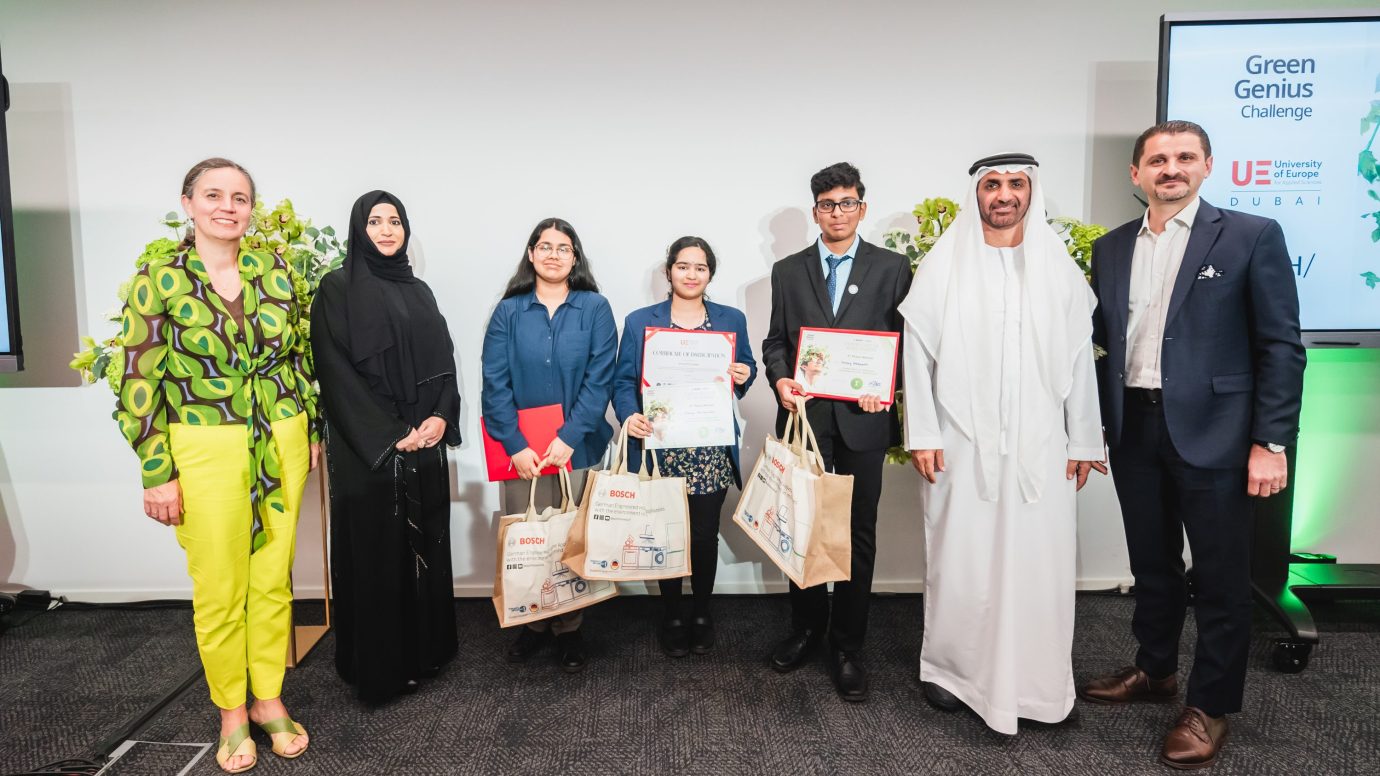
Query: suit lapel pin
pixel 852 289
pixel 1208 272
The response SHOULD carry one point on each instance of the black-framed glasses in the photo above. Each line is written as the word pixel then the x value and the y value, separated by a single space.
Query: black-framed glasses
pixel 846 205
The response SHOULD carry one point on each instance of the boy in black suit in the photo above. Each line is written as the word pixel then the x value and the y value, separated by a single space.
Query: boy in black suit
pixel 839 282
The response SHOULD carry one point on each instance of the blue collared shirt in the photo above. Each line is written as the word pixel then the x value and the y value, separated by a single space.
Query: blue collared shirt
pixel 844 270
pixel 532 359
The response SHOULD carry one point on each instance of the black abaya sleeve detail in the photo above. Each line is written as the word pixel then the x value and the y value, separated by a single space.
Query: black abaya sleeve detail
pixel 367 423
pixel 448 409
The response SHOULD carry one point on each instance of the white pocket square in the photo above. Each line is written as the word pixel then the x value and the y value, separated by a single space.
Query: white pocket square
pixel 1209 272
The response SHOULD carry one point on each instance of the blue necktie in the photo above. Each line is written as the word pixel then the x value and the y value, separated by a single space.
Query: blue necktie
pixel 833 280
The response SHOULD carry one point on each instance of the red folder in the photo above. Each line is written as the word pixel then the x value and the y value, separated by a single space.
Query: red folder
pixel 538 426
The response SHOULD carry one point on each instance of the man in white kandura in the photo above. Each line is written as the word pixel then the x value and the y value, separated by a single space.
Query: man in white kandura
pixel 1002 421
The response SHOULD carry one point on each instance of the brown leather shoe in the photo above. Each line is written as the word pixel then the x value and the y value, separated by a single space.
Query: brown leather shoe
pixel 1129 685
pixel 1195 740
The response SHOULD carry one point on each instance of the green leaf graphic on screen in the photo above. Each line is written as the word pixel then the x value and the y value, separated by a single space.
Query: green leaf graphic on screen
pixel 1367 168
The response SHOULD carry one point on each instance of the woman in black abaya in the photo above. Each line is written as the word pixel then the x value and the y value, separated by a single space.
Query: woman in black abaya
pixel 387 370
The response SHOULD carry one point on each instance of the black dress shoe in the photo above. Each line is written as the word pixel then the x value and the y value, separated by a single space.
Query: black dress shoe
pixel 528 643
pixel 850 678
pixel 674 638
pixel 941 698
pixel 572 651
pixel 410 687
pixel 792 653
pixel 701 634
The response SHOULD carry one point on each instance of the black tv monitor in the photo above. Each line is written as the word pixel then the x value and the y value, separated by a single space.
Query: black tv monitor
pixel 1291 102
pixel 11 345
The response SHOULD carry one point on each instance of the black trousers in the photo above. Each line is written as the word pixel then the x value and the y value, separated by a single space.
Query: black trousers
pixel 1162 498
pixel 810 606
pixel 704 555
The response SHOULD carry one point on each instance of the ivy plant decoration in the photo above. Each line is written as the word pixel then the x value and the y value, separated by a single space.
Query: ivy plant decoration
pixel 308 251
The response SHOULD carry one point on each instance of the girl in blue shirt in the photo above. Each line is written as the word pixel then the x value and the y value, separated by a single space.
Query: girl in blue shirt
pixel 708 471
pixel 551 340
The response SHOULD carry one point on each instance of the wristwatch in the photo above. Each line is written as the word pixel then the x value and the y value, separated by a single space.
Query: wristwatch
pixel 1271 446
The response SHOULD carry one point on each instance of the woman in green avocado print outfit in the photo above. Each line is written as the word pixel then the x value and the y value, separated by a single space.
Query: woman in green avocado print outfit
pixel 216 399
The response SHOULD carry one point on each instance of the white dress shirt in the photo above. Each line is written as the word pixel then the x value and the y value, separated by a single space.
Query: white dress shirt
pixel 1154 267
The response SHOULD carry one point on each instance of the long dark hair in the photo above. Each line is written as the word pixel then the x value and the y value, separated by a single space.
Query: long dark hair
pixel 524 279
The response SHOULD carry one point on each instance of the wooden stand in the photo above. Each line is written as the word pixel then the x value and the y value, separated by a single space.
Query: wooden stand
pixel 305 637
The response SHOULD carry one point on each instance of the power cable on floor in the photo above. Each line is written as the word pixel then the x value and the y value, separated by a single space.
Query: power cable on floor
pixel 68 767
pixel 84 606
pixel 134 727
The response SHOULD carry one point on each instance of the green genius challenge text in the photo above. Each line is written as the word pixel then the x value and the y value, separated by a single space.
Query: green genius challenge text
pixel 1262 86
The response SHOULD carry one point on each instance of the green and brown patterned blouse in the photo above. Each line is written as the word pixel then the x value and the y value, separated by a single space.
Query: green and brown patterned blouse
pixel 188 361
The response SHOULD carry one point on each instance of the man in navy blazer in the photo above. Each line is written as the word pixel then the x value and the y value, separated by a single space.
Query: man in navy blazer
pixel 838 282
pixel 1200 387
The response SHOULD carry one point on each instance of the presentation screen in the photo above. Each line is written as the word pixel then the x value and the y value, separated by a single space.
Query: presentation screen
pixel 1292 105
pixel 11 353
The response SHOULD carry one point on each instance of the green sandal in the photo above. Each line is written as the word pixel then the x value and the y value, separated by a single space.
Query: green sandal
pixel 284 726
pixel 236 744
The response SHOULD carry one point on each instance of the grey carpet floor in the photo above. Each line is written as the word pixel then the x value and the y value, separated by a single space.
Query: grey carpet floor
pixel 68 679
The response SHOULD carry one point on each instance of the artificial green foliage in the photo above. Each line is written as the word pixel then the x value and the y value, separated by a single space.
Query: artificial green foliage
pixel 1078 237
pixel 932 216
pixel 309 252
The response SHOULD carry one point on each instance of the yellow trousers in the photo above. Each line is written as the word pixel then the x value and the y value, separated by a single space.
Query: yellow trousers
pixel 242 603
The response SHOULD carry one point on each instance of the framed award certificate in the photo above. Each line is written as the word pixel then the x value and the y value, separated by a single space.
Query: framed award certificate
pixel 680 356
pixel 847 364
pixel 687 391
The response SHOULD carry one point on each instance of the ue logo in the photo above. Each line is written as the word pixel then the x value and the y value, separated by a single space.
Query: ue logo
pixel 1247 173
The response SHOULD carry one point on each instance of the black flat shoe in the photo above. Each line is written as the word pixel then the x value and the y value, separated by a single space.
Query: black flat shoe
pixel 941 698
pixel 528 643
pixel 794 651
pixel 850 678
pixel 572 651
pixel 701 635
pixel 674 638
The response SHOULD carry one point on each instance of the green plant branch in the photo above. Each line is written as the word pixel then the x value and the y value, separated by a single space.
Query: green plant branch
pixel 308 252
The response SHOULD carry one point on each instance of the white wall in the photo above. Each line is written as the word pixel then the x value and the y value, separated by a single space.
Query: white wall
pixel 638 122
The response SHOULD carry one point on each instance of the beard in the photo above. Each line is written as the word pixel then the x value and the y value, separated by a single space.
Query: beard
pixel 1005 221
pixel 1171 196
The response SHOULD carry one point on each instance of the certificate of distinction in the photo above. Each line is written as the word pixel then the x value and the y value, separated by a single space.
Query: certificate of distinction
pixel 680 356
pixel 687 391
pixel 847 364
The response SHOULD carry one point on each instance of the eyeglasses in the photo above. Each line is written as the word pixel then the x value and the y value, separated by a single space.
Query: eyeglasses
pixel 846 205
pixel 546 249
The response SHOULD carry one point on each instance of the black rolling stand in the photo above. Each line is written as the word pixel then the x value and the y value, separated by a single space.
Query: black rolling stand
pixel 1284 586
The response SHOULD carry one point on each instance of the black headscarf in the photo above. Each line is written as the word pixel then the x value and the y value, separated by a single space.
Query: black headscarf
pixel 397 336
